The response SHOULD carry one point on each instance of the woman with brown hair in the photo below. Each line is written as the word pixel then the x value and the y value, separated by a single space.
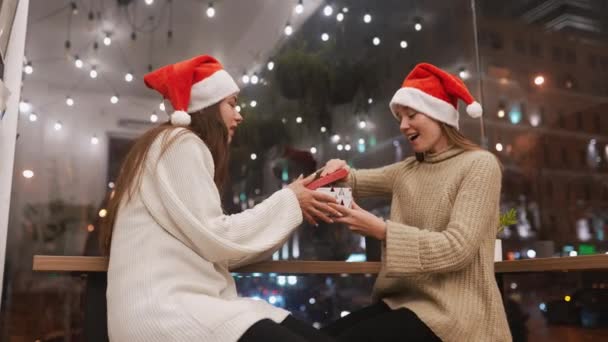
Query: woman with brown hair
pixel 171 246
pixel 437 278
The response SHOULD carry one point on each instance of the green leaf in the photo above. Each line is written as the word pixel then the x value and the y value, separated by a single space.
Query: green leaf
pixel 508 218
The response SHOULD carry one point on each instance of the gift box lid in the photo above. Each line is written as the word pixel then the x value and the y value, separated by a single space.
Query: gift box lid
pixel 327 179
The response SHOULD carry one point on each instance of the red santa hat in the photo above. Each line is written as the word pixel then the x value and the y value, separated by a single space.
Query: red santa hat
pixel 191 85
pixel 434 92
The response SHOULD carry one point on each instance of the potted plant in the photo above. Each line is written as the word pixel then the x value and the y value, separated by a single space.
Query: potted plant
pixel 506 219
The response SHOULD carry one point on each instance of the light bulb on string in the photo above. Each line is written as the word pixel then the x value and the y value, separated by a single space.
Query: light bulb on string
pixel 253 103
pixel 78 62
pixel 74 7
pixel 367 18
pixel 299 7
pixel 161 106
pixel 33 117
pixel 340 17
pixel 376 41
pixel 403 44
pixel 288 29
pixel 345 9
pixel 128 77
pixel 24 106
pixel 254 79
pixel 313 150
pixel 328 10
pixel 58 126
pixel 93 72
pixel 94 140
pixel 107 40
pixel 324 37
pixel 114 99
pixel 149 2
pixel 29 69
pixel 245 79
pixel 153 117
pixel 418 25
pixel 362 124
pixel 210 10
pixel 270 65
pixel 323 129
pixel 299 119
pixel 347 147
pixel 69 101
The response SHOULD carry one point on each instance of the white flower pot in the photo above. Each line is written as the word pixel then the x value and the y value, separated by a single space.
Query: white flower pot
pixel 498 250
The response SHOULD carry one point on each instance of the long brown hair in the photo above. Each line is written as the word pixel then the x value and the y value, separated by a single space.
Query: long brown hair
pixel 206 124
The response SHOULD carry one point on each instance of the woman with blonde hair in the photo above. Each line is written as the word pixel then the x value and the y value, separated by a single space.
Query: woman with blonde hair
pixel 437 279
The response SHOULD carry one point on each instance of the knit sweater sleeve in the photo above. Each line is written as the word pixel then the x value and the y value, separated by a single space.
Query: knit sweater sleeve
pixel 179 191
pixel 474 217
pixel 373 182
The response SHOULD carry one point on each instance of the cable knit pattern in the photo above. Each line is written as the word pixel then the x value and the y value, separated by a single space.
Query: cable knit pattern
pixel 168 278
pixel 438 258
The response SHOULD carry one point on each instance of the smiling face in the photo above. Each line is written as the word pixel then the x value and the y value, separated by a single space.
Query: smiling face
pixel 231 117
pixel 423 132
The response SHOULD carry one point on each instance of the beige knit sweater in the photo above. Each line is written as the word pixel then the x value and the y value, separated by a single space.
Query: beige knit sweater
pixel 438 257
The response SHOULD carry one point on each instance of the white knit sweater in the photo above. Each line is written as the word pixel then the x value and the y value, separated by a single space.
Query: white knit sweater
pixel 168 278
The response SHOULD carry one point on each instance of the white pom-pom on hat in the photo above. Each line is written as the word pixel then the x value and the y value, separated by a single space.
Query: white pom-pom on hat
pixel 474 110
pixel 180 118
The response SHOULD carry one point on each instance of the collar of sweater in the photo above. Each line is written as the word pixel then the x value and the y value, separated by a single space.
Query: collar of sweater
pixel 450 152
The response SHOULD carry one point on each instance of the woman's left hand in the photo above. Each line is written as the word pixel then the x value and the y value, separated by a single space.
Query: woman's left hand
pixel 361 221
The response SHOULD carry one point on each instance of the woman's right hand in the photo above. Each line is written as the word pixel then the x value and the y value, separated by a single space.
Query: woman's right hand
pixel 314 204
pixel 334 165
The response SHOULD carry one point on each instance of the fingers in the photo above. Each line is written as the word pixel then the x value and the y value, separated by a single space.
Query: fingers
pixel 308 179
pixel 318 214
pixel 309 218
pixel 322 197
pixel 324 207
pixel 340 208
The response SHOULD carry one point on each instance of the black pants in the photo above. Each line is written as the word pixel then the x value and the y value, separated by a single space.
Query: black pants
pixel 290 330
pixel 379 323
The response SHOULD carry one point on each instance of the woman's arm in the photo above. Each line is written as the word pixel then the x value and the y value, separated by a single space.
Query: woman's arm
pixel 366 183
pixel 474 218
pixel 179 191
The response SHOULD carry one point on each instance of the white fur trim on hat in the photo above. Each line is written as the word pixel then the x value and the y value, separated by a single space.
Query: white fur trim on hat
pixel 474 110
pixel 180 118
pixel 425 104
pixel 211 90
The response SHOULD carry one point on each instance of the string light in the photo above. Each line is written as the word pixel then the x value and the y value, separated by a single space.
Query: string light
pixel 376 41
pixel 340 147
pixel 417 25
pixel 103 213
pixel 323 129
pixel 33 117
pixel 361 141
pixel 539 80
pixel 340 17
pixel 464 74
pixel 499 147
pixel 335 138
pixel 210 10
pixel 107 40
pixel 28 174
pixel 254 156
pixel 69 101
pixel 345 9
pixel 58 126
pixel 74 7
pixel 299 7
pixel 288 29
pixel 324 37
pixel 370 100
pixel 347 147
pixel 403 44
pixel 245 79
pixel 238 108
pixel 362 124
pixel 128 77
pixel 328 10
pixel 270 65
pixel 93 72
pixel 254 79
pixel 114 99
pixel 24 106
pixel 153 117
pixel 29 69
pixel 367 18
pixel 149 2
pixel 313 150
pixel 253 103
pixel 299 119
pixel 94 140
pixel 78 62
